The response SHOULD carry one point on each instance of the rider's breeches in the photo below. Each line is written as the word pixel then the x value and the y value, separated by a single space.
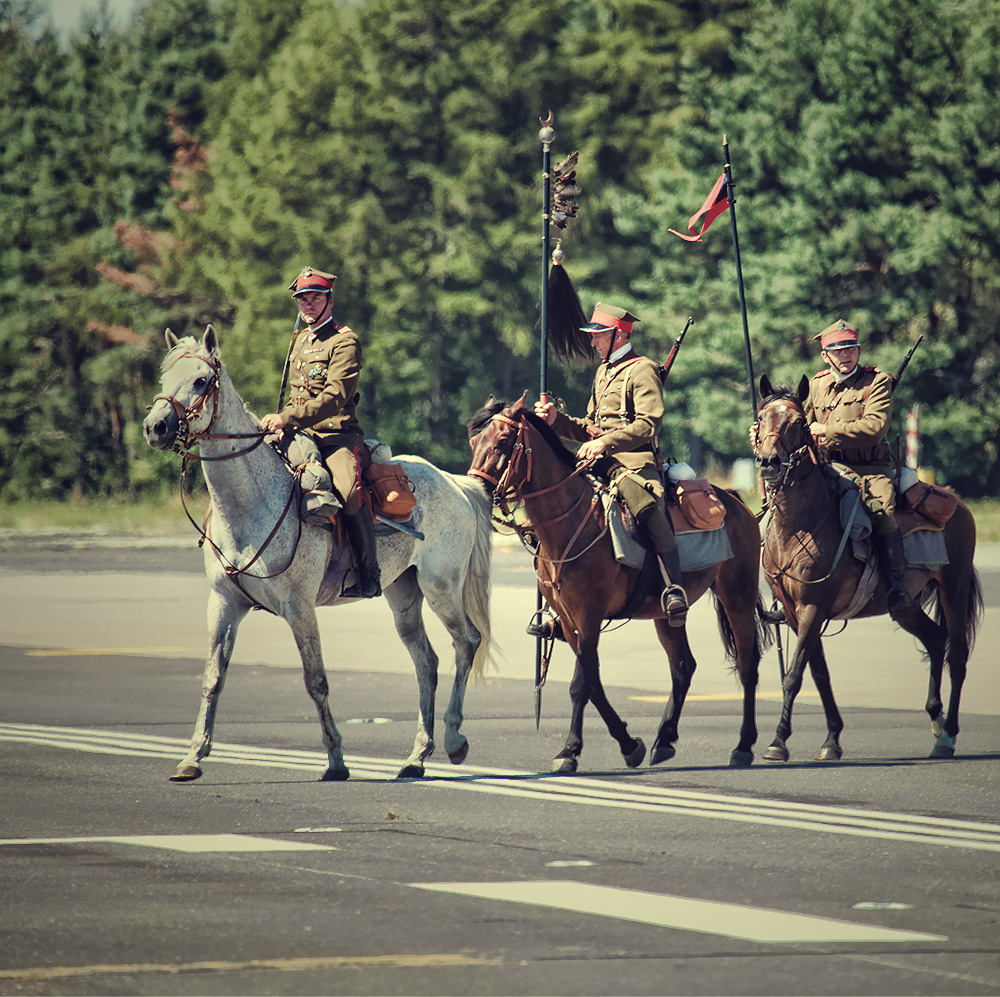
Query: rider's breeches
pixel 642 492
pixel 879 497
pixel 345 473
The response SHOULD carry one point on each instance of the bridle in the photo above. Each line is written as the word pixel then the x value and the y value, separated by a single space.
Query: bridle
pixel 794 459
pixel 185 439
pixel 508 487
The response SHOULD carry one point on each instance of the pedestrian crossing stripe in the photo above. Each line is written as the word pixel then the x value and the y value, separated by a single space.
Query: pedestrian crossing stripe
pixel 756 924
pixel 184 842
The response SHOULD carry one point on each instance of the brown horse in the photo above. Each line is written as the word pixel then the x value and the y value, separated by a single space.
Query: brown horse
pixel 801 545
pixel 521 458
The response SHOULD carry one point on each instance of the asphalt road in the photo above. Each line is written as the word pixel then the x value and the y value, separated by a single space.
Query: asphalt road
pixel 874 875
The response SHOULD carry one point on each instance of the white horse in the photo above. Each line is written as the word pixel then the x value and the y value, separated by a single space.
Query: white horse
pixel 259 554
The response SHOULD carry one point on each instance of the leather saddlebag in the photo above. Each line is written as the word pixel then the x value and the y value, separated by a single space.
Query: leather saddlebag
pixel 936 505
pixel 392 490
pixel 699 505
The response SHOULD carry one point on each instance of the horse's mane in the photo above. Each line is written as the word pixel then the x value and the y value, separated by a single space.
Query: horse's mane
pixel 185 345
pixel 480 420
pixel 782 392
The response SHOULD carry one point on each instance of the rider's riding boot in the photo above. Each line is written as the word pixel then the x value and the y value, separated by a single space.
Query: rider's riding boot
pixel 361 533
pixel 674 598
pixel 546 629
pixel 892 561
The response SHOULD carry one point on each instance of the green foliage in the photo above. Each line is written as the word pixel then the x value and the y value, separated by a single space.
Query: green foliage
pixel 182 170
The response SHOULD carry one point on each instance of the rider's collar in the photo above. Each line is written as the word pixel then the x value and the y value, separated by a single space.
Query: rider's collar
pixel 619 353
pixel 840 378
pixel 315 328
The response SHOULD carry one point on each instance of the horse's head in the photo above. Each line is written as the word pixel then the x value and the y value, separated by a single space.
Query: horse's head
pixel 190 391
pixel 495 432
pixel 782 428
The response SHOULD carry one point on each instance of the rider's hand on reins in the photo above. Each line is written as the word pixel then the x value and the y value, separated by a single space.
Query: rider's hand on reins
pixel 590 451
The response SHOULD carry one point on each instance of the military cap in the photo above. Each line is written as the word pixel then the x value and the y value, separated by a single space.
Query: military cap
pixel 608 317
pixel 838 336
pixel 312 280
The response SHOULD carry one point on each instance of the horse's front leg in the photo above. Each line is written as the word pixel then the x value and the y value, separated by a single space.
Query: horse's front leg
pixel 224 618
pixel 301 616
pixel 682 665
pixel 830 750
pixel 808 628
pixel 587 686
pixel 405 600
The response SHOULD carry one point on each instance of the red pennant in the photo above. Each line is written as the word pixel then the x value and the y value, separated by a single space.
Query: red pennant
pixel 715 204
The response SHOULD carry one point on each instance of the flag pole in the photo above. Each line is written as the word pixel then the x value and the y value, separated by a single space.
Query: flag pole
pixel 739 272
pixel 546 135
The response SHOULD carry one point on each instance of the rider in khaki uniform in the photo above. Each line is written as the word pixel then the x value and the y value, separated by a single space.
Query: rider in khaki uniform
pixel 324 365
pixel 622 422
pixel 849 408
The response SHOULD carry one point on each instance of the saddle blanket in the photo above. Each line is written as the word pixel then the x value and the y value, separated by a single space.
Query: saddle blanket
pixel 697 549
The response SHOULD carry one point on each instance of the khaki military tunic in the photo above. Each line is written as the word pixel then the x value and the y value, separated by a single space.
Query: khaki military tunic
pixel 625 410
pixel 324 370
pixel 856 413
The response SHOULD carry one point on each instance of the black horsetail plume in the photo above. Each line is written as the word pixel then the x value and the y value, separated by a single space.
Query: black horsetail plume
pixel 565 314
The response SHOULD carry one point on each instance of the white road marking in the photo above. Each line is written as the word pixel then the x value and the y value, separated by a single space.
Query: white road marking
pixel 185 842
pixel 622 795
pixel 756 924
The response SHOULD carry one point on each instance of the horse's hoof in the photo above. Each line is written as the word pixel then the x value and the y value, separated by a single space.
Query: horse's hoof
pixel 740 759
pixel 943 751
pixel 662 753
pixel 411 771
pixel 776 753
pixel 457 757
pixel 186 773
pixel 335 775
pixel 829 754
pixel 564 765
pixel 634 759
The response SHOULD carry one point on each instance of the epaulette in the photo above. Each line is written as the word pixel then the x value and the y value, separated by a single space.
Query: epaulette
pixel 822 373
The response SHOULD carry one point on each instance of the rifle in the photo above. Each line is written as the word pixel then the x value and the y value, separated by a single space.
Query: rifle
pixel 899 370
pixel 672 356
pixel 288 362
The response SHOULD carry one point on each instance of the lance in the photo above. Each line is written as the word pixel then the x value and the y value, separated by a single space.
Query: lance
pixel 739 271
pixel 545 135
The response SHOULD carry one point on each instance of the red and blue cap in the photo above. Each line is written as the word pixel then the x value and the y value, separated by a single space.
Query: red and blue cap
pixel 312 280
pixel 838 336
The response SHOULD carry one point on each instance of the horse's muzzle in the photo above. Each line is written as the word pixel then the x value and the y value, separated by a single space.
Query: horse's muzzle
pixel 769 465
pixel 160 426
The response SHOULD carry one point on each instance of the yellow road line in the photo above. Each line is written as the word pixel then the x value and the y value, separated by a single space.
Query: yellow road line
pixel 435 960
pixel 74 652
pixel 719 696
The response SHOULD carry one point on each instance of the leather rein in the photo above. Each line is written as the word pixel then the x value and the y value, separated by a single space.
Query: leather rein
pixel 183 442
pixel 507 486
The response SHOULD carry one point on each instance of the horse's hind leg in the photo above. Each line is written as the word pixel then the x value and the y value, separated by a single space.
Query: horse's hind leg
pixel 446 602
pixel 224 618
pixel 830 750
pixel 405 600
pixel 301 617
pixel 682 666
pixel 949 641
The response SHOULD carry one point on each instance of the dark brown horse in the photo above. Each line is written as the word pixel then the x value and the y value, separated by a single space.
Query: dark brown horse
pixel 801 542
pixel 521 458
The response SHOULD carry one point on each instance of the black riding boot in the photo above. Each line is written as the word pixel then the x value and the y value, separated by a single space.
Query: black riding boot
pixel 546 629
pixel 361 533
pixel 892 560
pixel 675 603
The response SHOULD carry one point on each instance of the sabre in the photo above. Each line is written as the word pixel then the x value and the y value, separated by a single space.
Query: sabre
pixel 402 527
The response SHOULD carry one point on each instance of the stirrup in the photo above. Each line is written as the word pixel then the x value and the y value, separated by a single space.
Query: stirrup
pixel 368 586
pixel 674 604
pixel 547 630
pixel 899 604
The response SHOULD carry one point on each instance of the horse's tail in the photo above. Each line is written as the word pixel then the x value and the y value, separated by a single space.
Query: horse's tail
pixel 972 615
pixel 763 632
pixel 478 582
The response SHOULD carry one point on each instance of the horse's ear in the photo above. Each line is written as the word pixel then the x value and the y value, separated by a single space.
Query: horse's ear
pixel 520 403
pixel 210 341
pixel 803 388
pixel 171 339
pixel 765 386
